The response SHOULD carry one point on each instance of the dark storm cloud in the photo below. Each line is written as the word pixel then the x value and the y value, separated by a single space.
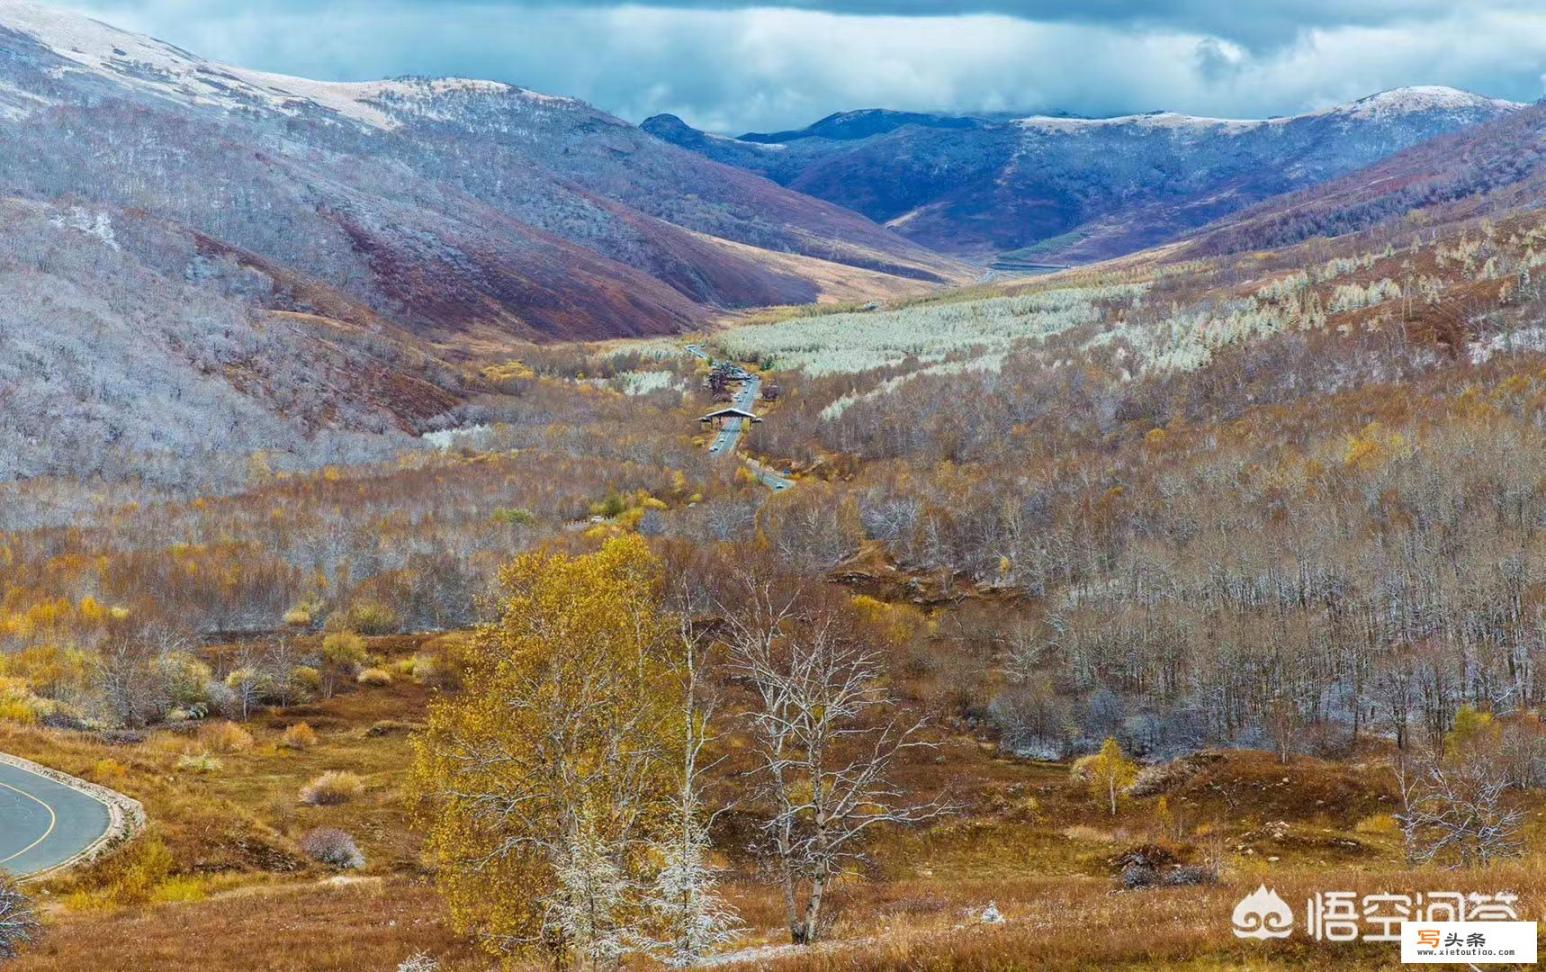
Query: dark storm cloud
pixel 1267 22
pixel 1256 23
pixel 735 66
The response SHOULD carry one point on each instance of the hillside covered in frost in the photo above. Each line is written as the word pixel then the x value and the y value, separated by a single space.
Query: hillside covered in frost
pixel 1061 190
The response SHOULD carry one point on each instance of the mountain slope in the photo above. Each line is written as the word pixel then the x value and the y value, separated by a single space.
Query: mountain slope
pixel 447 204
pixel 1491 168
pixel 1070 190
pixel 203 262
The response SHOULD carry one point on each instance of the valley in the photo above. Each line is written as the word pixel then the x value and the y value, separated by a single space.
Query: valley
pixel 1078 190
pixel 483 533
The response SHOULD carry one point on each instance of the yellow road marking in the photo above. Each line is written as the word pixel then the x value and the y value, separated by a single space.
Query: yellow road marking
pixel 53 820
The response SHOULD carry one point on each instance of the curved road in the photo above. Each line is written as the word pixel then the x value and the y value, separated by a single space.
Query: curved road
pixel 42 823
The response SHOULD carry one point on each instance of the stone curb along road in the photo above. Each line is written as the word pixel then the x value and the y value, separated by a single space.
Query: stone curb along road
pixel 51 821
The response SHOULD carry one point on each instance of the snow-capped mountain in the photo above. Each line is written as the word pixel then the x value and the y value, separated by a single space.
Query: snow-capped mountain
pixel 1495 168
pixel 484 172
pixel 1068 189
pixel 202 256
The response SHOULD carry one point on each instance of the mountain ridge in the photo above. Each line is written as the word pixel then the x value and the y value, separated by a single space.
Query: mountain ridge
pixel 1072 189
pixel 261 263
pixel 605 163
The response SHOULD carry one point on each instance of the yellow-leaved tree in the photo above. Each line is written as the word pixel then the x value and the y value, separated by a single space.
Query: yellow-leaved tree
pixel 549 781
pixel 1110 773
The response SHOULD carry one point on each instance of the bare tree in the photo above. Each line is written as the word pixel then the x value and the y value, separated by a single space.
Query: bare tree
pixel 826 739
pixel 131 673
pixel 18 922
pixel 1452 809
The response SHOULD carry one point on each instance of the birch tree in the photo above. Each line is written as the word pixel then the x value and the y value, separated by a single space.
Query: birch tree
pixel 1110 774
pixel 552 779
pixel 826 735
pixel 685 897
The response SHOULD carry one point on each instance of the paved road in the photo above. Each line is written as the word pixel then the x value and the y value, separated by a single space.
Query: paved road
pixel 725 440
pixel 772 480
pixel 43 823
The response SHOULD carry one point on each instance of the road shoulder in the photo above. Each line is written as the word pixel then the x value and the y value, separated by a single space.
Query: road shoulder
pixel 125 815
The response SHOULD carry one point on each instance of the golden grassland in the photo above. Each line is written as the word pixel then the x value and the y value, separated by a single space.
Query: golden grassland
pixel 218 881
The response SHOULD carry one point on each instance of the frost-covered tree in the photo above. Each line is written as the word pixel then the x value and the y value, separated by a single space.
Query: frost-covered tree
pixel 826 742
pixel 694 918
pixel 18 921
pixel 1454 799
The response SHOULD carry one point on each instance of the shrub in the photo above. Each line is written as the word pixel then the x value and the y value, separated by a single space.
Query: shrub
pixel 108 771
pixel 299 736
pixel 19 705
pixel 425 671
pixel 374 676
pixel 372 618
pixel 18 921
pixel 419 962
pixel 247 687
pixel 1379 823
pixel 331 788
pixel 298 618
pixel 199 763
pixel 179 890
pixel 343 653
pixel 613 505
pixel 18 711
pixel 225 737
pixel 333 847
pixel 344 649
pixel 515 516
pixel 305 680
pixel 132 875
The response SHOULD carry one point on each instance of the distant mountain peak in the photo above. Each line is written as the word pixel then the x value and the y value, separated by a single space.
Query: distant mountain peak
pixel 1067 189
pixel 863 123
pixel 1420 98
pixel 1396 102
pixel 161 69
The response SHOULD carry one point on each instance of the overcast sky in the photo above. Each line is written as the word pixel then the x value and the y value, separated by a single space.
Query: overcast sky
pixel 736 67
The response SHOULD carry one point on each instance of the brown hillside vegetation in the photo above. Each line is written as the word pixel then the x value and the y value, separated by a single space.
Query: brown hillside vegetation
pixel 1097 601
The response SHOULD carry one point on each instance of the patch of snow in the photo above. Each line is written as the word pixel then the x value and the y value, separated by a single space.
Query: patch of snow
pixel 1154 120
pixel 98 224
pixel 163 69
pixel 474 436
pixel 1411 100
pixel 1524 339
pixel 1419 98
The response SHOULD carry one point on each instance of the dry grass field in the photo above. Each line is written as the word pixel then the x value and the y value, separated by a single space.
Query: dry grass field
pixel 220 878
